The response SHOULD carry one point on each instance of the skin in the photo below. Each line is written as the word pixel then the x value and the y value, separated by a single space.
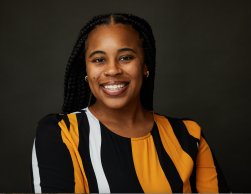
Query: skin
pixel 114 56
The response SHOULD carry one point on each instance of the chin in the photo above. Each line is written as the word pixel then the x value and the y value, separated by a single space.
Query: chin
pixel 115 103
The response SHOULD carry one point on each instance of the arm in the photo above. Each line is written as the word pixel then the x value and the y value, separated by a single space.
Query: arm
pixel 51 167
pixel 209 177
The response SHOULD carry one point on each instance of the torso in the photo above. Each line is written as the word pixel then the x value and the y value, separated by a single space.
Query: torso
pixel 123 164
pixel 84 156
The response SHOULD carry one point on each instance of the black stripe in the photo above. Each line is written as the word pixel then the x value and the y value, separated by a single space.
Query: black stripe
pixel 31 179
pixel 54 159
pixel 222 183
pixel 117 162
pixel 66 120
pixel 167 164
pixel 83 148
pixel 193 180
pixel 188 144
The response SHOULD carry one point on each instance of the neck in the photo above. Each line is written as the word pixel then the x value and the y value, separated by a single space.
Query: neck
pixel 128 115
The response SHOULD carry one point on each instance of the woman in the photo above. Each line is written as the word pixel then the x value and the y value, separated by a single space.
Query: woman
pixel 113 142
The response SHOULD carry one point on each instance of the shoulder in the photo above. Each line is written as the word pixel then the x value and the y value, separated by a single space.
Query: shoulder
pixel 49 119
pixel 178 125
pixel 52 120
pixel 51 125
pixel 48 127
pixel 55 123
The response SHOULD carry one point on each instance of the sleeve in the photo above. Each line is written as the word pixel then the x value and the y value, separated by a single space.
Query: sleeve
pixel 52 168
pixel 209 177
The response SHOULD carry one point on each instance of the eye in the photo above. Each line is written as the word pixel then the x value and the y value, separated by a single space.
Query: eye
pixel 125 58
pixel 98 60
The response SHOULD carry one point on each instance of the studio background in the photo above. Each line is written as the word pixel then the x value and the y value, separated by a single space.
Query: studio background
pixel 202 72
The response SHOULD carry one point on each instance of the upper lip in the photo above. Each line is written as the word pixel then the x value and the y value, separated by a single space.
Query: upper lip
pixel 114 83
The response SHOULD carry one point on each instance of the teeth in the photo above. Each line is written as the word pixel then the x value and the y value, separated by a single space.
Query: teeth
pixel 114 87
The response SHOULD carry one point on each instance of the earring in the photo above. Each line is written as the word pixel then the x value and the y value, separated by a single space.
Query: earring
pixel 86 78
pixel 147 74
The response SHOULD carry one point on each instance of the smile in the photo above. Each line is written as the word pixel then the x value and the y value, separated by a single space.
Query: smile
pixel 114 87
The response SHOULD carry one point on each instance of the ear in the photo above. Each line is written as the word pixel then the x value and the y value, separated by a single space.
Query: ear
pixel 145 68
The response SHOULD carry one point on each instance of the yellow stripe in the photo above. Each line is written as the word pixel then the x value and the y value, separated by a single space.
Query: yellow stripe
pixel 74 128
pixel 206 181
pixel 182 161
pixel 146 162
pixel 71 140
pixel 193 128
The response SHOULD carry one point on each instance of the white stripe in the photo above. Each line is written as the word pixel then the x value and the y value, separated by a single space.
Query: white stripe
pixel 35 170
pixel 197 145
pixel 95 152
pixel 75 112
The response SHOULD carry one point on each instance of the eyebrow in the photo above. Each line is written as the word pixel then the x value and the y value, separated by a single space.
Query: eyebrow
pixel 119 51
pixel 95 52
pixel 125 49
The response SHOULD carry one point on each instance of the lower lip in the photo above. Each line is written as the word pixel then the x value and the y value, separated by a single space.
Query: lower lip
pixel 114 92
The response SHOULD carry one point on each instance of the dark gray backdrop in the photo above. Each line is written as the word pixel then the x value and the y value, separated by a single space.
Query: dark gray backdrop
pixel 203 73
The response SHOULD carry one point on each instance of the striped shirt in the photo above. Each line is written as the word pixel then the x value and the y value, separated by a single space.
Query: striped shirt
pixel 76 153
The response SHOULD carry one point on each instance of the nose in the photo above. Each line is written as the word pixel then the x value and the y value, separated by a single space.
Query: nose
pixel 113 69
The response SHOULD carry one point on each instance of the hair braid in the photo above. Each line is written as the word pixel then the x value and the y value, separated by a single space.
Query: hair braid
pixel 76 89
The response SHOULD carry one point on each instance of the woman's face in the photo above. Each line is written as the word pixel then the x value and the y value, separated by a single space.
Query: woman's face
pixel 115 65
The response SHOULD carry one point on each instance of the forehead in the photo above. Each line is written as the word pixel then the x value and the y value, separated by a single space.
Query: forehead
pixel 113 35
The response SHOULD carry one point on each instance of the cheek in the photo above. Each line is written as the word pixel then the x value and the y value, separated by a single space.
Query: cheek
pixel 135 70
pixel 93 75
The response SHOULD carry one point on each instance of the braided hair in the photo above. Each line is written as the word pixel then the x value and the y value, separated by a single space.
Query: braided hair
pixel 77 93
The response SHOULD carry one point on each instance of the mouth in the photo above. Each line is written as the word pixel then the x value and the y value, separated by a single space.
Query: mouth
pixel 114 88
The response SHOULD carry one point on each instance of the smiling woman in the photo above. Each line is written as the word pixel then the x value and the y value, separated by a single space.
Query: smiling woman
pixel 115 58
pixel 108 138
